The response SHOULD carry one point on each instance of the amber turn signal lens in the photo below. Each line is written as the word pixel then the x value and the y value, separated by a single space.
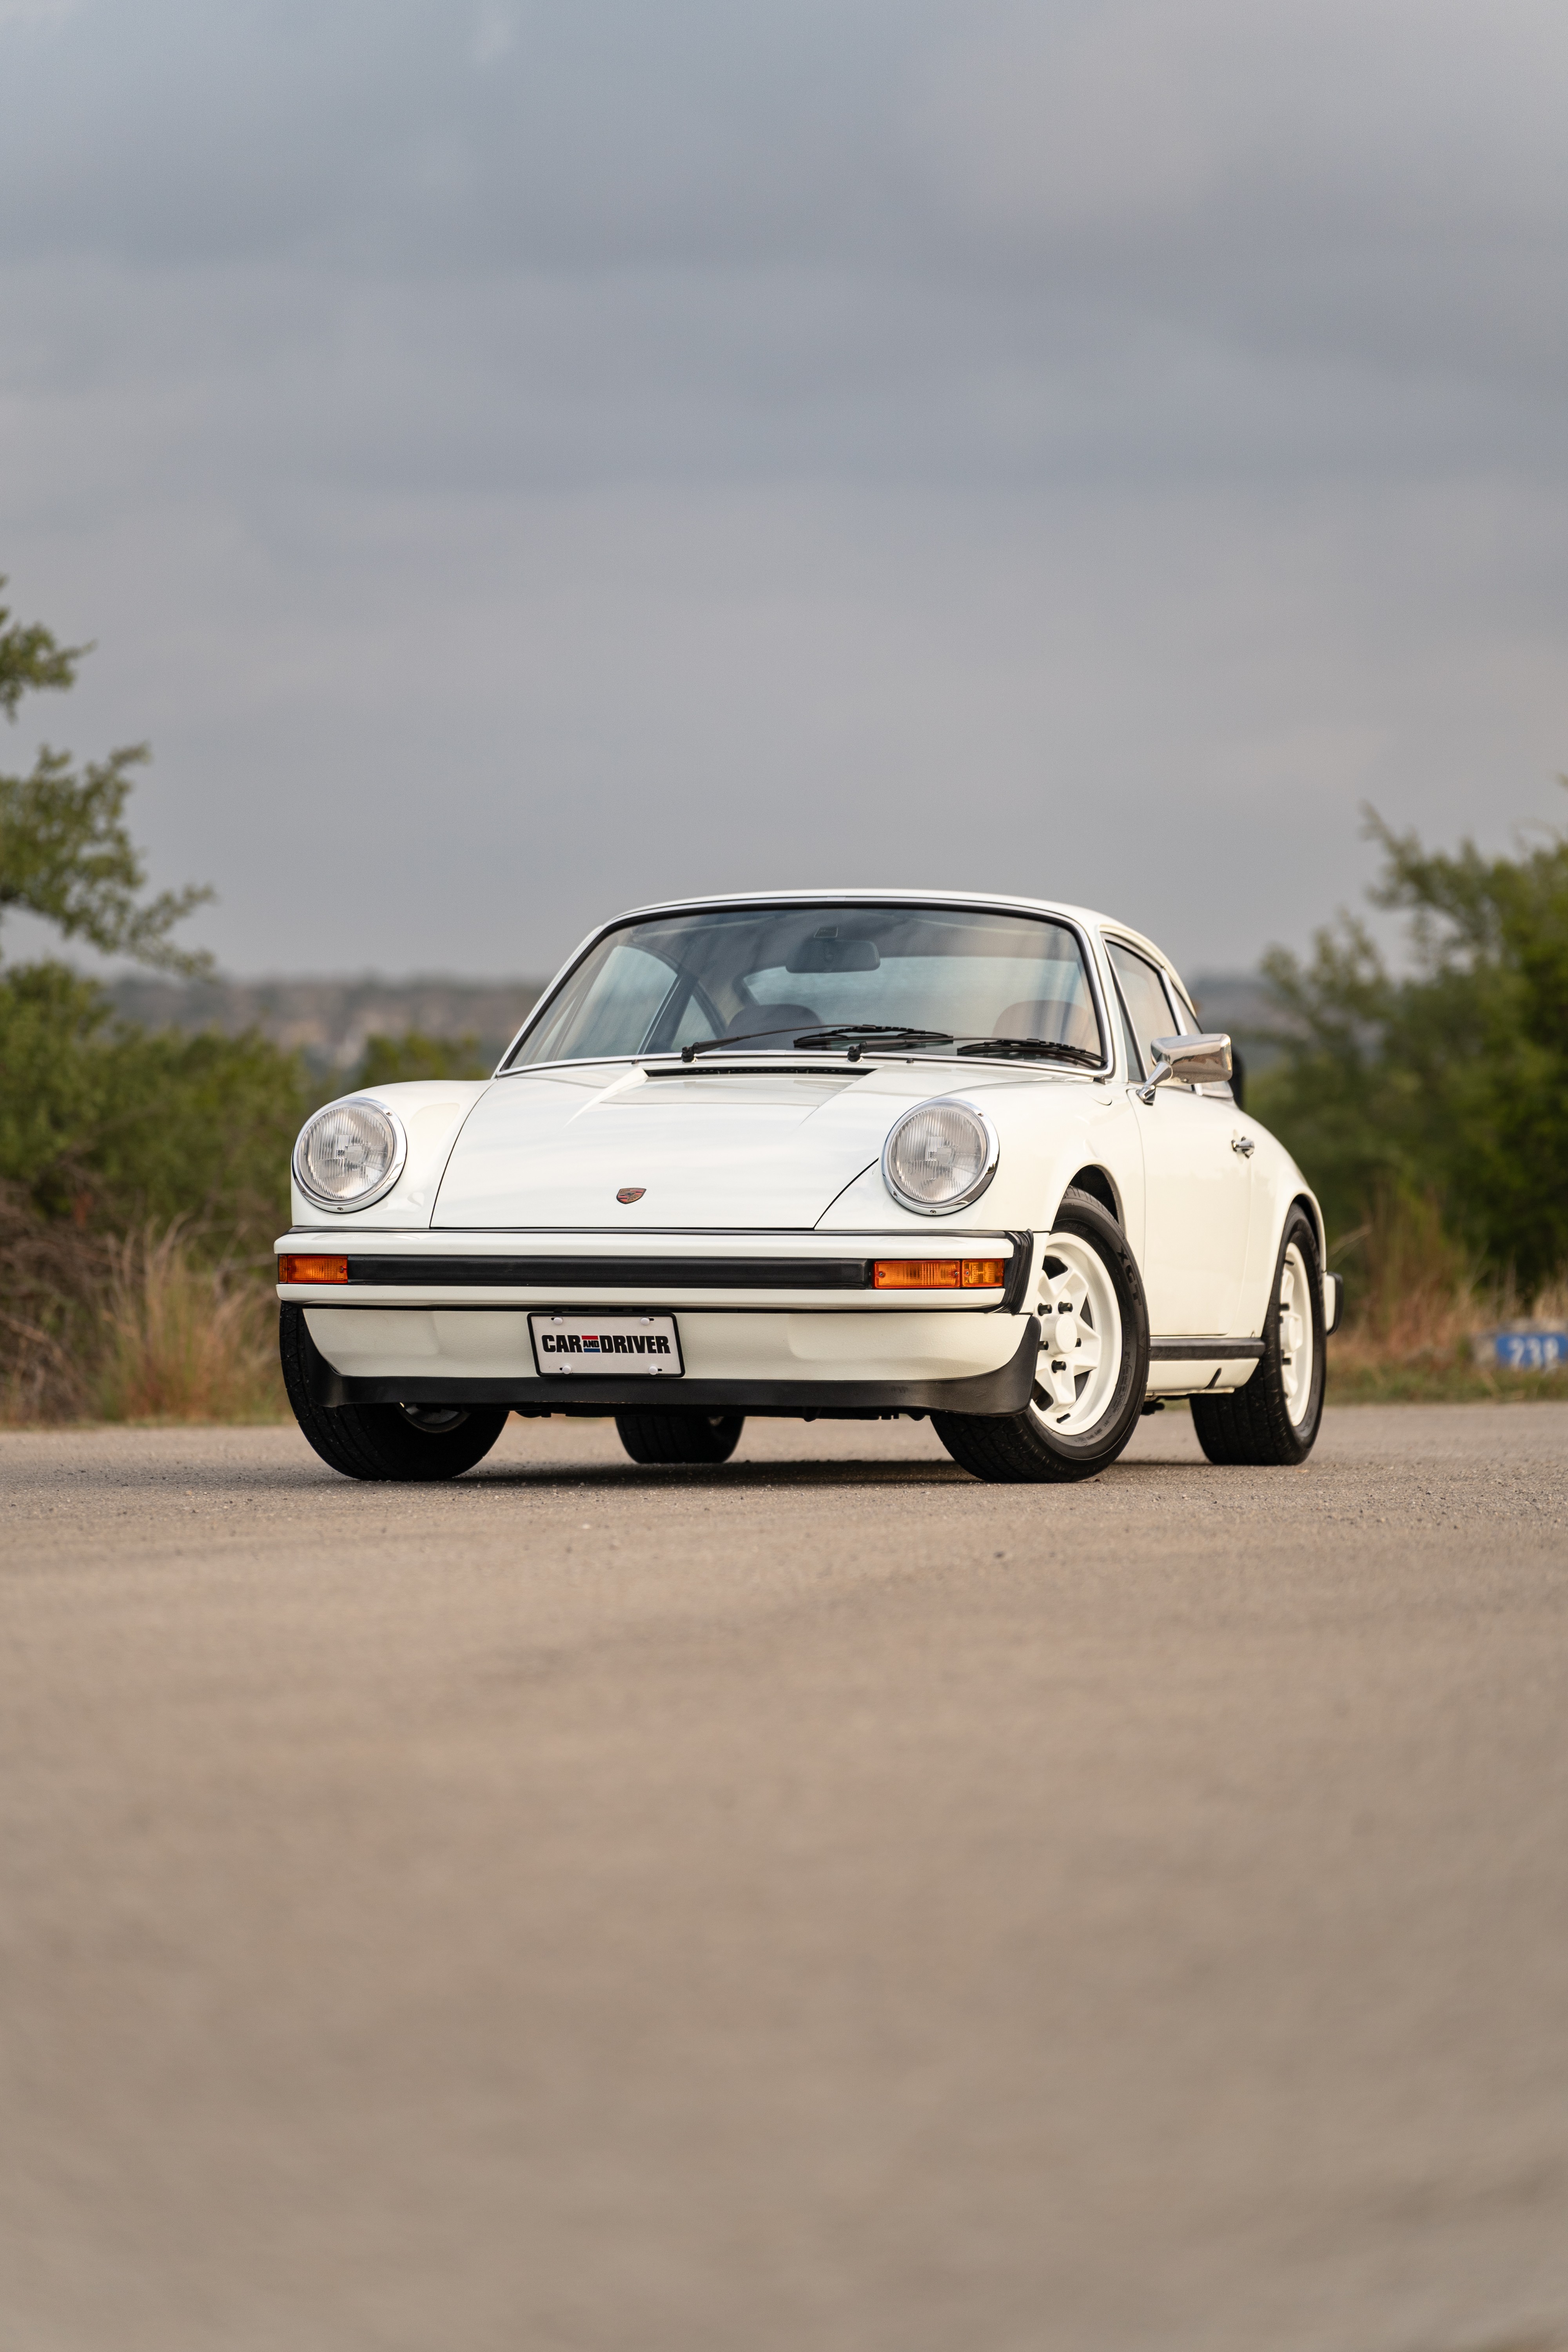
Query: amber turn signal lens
pixel 915 1273
pixel 312 1269
pixel 938 1272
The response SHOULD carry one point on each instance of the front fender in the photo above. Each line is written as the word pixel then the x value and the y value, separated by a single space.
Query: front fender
pixel 433 1111
pixel 1048 1131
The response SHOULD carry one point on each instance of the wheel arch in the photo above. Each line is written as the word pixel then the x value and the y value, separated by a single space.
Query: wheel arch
pixel 1101 1185
pixel 1305 1200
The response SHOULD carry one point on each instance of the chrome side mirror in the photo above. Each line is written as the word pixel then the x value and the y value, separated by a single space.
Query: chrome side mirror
pixel 1194 1061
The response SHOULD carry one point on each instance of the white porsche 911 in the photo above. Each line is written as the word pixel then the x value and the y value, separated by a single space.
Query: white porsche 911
pixel 838 1155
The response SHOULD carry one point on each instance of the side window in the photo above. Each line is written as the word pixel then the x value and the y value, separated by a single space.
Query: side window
pixel 1143 994
pixel 1186 1017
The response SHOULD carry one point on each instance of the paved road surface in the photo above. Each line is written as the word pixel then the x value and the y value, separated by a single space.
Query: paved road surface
pixel 819 1905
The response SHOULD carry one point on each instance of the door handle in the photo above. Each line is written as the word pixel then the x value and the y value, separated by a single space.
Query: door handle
pixel 1244 1144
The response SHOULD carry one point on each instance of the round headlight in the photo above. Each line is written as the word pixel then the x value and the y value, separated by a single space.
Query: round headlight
pixel 940 1157
pixel 350 1154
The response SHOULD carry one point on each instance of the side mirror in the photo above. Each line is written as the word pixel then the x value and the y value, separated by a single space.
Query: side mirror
pixel 1195 1061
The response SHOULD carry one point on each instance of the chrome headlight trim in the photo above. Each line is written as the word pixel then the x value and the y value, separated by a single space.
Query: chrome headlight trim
pixel 960 1200
pixel 378 1192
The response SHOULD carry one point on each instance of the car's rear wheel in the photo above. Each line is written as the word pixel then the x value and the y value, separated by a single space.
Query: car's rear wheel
pixel 1094 1364
pixel 416 1442
pixel 680 1436
pixel 1274 1420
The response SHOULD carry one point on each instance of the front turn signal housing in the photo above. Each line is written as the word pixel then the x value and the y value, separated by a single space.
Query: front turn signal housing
pixel 939 1273
pixel 312 1269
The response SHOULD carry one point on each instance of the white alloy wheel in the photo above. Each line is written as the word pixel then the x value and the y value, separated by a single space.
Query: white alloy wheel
pixel 1080 1354
pixel 1296 1335
pixel 1091 1371
pixel 1273 1418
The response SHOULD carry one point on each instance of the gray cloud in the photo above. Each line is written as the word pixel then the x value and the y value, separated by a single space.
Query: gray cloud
pixel 522 459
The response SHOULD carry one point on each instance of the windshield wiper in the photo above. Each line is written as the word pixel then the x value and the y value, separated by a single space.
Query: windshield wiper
pixel 1032 1049
pixel 860 1034
pixel 730 1044
pixel 880 1033
pixel 854 1032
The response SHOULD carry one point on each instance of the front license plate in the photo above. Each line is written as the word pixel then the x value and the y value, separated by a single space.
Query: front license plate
pixel 619 1344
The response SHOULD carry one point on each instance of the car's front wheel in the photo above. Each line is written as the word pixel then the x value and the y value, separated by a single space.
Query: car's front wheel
pixel 1273 1421
pixel 416 1442
pixel 1094 1364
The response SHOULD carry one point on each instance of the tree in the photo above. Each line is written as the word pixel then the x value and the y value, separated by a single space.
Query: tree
pixel 387 1060
pixel 109 1125
pixel 1449 1080
pixel 105 1126
pixel 65 851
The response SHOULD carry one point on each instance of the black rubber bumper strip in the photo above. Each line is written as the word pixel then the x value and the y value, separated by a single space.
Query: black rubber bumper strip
pixel 429 1271
pixel 1007 1389
pixel 1203 1352
pixel 433 1273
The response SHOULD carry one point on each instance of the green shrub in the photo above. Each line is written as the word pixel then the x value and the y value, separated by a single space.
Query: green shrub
pixel 389 1060
pixel 1446 1082
pixel 113 1126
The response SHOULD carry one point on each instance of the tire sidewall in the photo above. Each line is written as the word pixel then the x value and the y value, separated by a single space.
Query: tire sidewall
pixel 1300 1436
pixel 417 1455
pixel 376 1441
pixel 1086 1221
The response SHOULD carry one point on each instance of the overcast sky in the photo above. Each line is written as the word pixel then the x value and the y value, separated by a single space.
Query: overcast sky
pixel 522 458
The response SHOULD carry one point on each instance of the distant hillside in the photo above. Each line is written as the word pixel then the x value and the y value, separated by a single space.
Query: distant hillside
pixel 330 1020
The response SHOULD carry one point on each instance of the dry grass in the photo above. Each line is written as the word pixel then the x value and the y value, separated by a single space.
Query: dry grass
pixel 1408 1339
pixel 139 1330
pixel 179 1340
pixel 51 1277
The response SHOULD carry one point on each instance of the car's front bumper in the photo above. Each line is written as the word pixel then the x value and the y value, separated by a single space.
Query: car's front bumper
pixel 744 1366
pixel 781 1323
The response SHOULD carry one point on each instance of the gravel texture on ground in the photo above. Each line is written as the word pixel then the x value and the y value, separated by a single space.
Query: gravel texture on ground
pixel 818 1903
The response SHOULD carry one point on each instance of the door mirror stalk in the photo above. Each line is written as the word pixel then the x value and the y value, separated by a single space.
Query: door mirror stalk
pixel 1202 1061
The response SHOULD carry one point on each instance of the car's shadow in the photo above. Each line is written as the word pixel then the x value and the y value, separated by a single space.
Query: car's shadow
pixel 722 1478
pixel 759 1477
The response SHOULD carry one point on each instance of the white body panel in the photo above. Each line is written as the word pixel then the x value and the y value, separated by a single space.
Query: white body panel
pixel 769 1148
pixel 459 1343
pixel 433 1111
pixel 784 1157
pixel 1197 1192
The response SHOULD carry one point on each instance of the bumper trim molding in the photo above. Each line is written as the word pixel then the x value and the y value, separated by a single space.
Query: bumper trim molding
pixel 430 1270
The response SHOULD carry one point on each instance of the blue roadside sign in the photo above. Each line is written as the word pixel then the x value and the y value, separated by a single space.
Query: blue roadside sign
pixel 1530 1351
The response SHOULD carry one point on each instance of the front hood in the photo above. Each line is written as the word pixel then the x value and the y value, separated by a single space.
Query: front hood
pixel 766 1148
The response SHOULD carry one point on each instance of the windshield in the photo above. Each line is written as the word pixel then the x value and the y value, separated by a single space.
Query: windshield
pixel 760 977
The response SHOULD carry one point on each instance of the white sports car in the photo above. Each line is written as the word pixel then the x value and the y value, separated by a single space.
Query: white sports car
pixel 837 1155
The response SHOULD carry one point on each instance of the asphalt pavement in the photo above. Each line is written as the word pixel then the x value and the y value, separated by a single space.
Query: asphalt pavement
pixel 818 1905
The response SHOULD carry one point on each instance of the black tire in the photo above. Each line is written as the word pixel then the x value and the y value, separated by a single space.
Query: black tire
pixel 413 1442
pixel 1254 1425
pixel 680 1436
pixel 1015 1448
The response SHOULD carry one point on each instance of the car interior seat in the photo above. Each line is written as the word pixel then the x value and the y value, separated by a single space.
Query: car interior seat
pixel 1063 1024
pixel 751 1019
